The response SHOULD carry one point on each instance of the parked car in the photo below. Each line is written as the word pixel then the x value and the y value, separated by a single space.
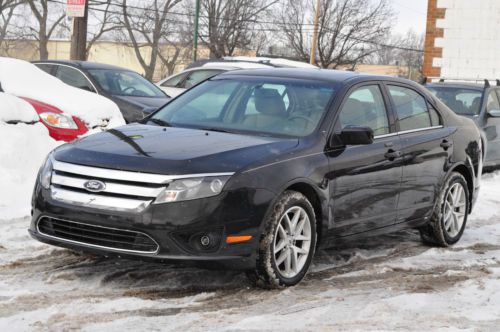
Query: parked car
pixel 135 96
pixel 481 103
pixel 204 69
pixel 255 169
pixel 66 111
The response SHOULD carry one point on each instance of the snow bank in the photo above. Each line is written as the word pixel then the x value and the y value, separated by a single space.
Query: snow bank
pixel 24 79
pixel 16 109
pixel 23 148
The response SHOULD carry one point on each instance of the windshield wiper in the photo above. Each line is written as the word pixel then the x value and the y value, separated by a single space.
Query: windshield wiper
pixel 160 122
pixel 219 130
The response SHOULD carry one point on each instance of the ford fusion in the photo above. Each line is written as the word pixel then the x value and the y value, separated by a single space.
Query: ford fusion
pixel 255 170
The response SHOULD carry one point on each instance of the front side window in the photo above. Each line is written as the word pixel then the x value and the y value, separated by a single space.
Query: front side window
pixel 493 103
pixel 250 106
pixel 411 108
pixel 125 83
pixel 73 77
pixel 365 107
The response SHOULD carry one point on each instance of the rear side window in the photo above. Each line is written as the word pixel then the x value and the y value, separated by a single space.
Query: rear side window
pixel 198 76
pixel 174 81
pixel 45 67
pixel 73 77
pixel 365 107
pixel 411 107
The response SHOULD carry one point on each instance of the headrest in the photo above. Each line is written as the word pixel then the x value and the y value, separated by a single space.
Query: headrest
pixel 269 101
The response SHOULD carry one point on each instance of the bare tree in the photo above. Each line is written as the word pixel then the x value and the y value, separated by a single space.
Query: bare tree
pixel 146 28
pixel 7 8
pixel 48 18
pixel 349 30
pixel 411 54
pixel 106 21
pixel 229 24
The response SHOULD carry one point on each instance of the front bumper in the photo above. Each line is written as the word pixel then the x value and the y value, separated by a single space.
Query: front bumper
pixel 175 227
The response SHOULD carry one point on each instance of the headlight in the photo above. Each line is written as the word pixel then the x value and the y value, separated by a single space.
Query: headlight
pixel 188 189
pixel 58 120
pixel 46 173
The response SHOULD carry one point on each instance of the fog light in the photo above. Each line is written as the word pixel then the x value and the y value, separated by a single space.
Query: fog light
pixel 205 240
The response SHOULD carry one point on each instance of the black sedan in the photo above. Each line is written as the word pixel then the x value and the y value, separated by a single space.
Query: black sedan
pixel 256 169
pixel 135 96
pixel 481 103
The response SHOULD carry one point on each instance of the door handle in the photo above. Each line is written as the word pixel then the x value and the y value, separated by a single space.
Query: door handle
pixel 391 154
pixel 445 144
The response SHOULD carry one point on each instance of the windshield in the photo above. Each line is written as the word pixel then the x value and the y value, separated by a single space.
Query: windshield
pixel 125 83
pixel 460 100
pixel 272 107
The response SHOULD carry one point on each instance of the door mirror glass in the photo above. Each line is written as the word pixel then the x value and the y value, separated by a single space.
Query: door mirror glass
pixel 356 135
pixel 494 113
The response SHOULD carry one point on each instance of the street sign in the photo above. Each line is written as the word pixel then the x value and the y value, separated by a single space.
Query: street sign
pixel 75 8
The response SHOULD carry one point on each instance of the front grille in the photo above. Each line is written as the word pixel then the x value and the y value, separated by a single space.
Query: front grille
pixel 97 236
pixel 120 190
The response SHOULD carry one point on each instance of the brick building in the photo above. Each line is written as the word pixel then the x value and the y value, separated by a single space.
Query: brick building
pixel 463 39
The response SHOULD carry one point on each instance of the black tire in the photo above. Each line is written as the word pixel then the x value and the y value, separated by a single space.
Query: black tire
pixel 435 233
pixel 266 273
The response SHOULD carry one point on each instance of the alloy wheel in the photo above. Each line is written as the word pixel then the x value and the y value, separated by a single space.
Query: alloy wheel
pixel 292 242
pixel 454 211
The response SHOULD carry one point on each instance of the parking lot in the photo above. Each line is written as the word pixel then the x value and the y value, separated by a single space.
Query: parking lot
pixel 389 282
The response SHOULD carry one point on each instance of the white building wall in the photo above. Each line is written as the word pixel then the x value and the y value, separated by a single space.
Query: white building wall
pixel 471 41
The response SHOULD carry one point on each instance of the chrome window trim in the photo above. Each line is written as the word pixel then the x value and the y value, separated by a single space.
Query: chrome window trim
pixel 96 245
pixel 81 72
pixel 111 174
pixel 408 131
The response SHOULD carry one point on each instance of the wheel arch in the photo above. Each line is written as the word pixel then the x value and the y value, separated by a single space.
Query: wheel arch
pixel 469 178
pixel 313 196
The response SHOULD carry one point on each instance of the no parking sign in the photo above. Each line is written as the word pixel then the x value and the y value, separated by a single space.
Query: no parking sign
pixel 75 8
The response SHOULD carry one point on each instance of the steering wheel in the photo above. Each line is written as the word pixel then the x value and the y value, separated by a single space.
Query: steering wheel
pixel 303 117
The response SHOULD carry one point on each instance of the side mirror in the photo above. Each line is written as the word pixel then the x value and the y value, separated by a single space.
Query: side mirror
pixel 357 135
pixel 494 113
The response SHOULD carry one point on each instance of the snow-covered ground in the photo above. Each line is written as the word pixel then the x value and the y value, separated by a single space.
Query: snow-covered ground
pixel 391 282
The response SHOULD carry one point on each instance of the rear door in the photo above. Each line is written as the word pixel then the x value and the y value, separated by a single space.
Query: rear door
pixel 365 178
pixel 426 147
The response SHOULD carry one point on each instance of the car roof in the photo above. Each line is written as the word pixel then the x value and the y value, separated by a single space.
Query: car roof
pixel 478 87
pixel 326 75
pixel 82 64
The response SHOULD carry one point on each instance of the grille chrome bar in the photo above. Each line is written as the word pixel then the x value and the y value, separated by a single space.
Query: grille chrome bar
pixel 99 201
pixel 78 233
pixel 115 188
pixel 96 172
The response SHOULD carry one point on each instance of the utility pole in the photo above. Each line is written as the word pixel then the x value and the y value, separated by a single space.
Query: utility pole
pixel 79 36
pixel 196 22
pixel 314 42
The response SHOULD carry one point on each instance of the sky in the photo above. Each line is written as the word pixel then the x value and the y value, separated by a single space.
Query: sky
pixel 411 14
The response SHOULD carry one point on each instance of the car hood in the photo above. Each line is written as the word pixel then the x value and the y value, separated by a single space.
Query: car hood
pixel 155 149
pixel 141 102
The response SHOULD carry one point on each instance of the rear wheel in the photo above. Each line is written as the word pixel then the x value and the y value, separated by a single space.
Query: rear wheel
pixel 287 244
pixel 450 216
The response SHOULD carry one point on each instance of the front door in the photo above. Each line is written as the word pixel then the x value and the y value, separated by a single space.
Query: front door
pixel 365 179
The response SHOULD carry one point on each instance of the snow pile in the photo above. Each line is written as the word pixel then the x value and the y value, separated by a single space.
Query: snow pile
pixel 24 79
pixel 23 148
pixel 16 109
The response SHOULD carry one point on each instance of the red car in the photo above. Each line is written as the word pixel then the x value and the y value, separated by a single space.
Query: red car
pixel 62 127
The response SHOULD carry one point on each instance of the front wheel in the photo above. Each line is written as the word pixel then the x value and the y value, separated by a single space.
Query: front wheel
pixel 448 221
pixel 287 243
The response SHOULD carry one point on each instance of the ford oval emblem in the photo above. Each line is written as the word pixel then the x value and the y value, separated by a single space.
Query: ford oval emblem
pixel 94 186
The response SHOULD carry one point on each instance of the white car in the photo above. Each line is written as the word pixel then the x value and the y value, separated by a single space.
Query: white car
pixel 204 69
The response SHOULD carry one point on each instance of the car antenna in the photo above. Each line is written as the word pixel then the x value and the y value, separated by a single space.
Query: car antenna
pixel 423 81
pixel 498 82
pixel 486 83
